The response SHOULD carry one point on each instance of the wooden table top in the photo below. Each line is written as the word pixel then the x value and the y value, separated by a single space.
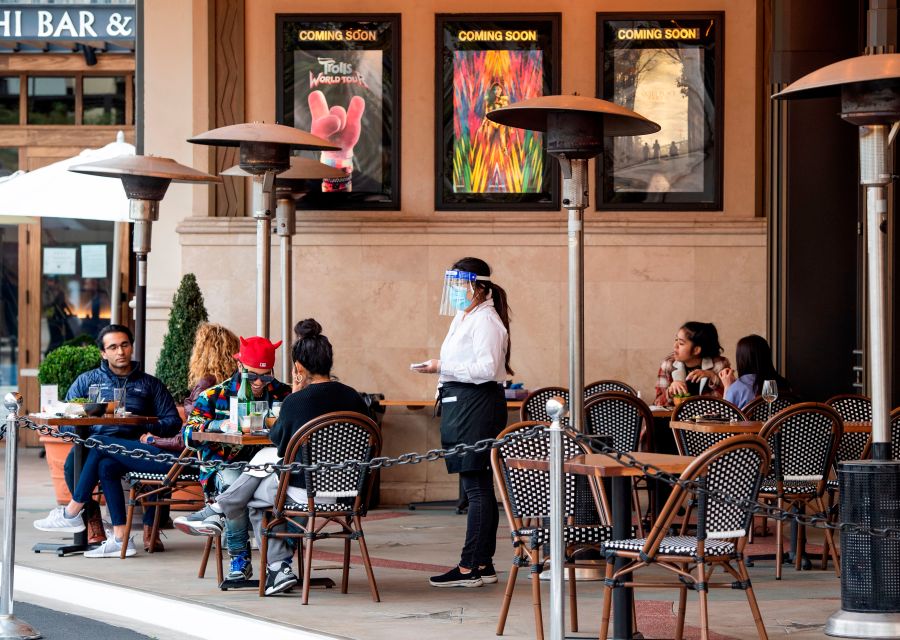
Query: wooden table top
pixel 229 438
pixel 89 421
pixel 602 466
pixel 421 404
pixel 751 426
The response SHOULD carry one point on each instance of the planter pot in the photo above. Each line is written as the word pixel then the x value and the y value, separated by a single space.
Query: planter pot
pixel 57 451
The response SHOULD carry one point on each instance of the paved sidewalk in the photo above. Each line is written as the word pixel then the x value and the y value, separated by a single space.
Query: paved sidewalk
pixel 407 547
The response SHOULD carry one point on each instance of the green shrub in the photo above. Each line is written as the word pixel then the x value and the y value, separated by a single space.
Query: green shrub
pixel 188 311
pixel 62 365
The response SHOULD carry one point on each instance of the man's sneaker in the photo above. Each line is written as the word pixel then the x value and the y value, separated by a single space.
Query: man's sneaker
pixel 206 522
pixel 111 548
pixel 456 578
pixel 241 567
pixel 488 573
pixel 280 580
pixel 57 520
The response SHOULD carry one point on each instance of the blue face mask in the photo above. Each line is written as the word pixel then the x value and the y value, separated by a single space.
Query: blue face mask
pixel 459 298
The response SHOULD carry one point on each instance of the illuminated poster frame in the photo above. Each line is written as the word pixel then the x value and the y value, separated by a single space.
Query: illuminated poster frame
pixel 345 69
pixel 485 61
pixel 669 68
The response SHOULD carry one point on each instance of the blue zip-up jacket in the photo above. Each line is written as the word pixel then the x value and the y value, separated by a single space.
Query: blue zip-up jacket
pixel 144 396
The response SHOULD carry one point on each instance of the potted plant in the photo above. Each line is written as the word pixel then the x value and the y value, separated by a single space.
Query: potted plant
pixel 188 311
pixel 60 367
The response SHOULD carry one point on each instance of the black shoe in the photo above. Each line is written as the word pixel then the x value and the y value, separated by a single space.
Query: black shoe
pixel 488 573
pixel 805 562
pixel 280 580
pixel 456 578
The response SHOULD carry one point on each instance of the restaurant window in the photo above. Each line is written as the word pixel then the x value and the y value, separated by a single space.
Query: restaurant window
pixel 104 100
pixel 9 100
pixel 51 100
pixel 75 279
pixel 9 307
pixel 9 161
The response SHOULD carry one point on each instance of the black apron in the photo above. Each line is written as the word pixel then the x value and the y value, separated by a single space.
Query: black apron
pixel 469 413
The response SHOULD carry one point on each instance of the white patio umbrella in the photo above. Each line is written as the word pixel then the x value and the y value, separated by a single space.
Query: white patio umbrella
pixel 55 192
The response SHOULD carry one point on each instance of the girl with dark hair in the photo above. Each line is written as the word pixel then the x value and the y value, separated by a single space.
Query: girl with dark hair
pixel 473 364
pixel 754 364
pixel 694 365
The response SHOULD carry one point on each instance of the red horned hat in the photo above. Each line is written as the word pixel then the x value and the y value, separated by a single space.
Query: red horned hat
pixel 257 352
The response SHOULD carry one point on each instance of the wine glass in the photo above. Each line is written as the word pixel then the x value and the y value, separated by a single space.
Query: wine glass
pixel 770 394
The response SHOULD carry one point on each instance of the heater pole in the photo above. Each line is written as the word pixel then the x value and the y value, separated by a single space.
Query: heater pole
pixel 575 197
pixel 263 186
pixel 285 212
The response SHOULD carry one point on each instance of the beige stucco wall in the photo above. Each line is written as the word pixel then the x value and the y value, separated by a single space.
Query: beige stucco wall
pixel 373 279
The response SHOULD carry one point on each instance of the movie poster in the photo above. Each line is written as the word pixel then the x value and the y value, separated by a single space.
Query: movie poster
pixel 340 82
pixel 486 64
pixel 667 70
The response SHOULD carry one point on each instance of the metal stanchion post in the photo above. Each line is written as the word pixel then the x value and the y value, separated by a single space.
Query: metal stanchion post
pixel 10 626
pixel 556 408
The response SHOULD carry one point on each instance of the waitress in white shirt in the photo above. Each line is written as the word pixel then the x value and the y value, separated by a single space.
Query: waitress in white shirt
pixel 474 363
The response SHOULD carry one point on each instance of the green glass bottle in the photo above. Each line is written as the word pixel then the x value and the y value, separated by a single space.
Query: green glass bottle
pixel 245 396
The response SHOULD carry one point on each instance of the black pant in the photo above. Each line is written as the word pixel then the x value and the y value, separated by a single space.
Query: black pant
pixel 482 520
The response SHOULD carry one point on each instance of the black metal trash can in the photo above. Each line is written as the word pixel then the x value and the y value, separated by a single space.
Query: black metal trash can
pixel 870 566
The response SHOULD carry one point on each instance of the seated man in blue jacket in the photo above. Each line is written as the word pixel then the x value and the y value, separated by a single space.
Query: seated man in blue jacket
pixel 144 396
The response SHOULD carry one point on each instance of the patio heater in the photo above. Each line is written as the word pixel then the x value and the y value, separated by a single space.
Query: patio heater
pixel 288 185
pixel 576 128
pixel 265 152
pixel 869 88
pixel 145 180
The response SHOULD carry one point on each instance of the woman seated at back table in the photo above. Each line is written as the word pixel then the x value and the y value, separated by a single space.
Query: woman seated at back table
pixel 754 364
pixel 693 367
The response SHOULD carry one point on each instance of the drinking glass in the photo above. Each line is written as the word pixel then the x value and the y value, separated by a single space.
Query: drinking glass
pixel 770 394
pixel 276 409
pixel 94 393
pixel 119 400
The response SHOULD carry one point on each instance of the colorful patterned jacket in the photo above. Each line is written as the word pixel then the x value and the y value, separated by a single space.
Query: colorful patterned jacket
pixel 212 408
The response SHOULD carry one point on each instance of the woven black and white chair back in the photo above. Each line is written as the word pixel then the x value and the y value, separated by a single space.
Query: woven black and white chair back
pixel 337 438
pixel 604 386
pixel 534 407
pixel 803 439
pixel 895 433
pixel 736 473
pixel 529 489
pixel 693 443
pixel 617 414
pixel 851 407
pixel 757 409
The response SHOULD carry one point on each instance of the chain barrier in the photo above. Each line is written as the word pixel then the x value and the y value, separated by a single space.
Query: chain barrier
pixel 818 521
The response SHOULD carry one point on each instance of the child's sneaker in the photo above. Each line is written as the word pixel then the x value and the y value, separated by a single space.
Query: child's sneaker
pixel 241 567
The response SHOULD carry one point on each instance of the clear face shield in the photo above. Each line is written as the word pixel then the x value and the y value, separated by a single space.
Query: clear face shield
pixel 459 291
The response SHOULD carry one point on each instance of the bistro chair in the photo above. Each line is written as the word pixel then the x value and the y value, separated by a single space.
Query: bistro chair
pixel 333 437
pixel 159 490
pixel 525 494
pixel 628 420
pixel 758 410
pixel 693 443
pixel 602 386
pixel 804 440
pixel 895 433
pixel 851 407
pixel 733 467
pixel 534 406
